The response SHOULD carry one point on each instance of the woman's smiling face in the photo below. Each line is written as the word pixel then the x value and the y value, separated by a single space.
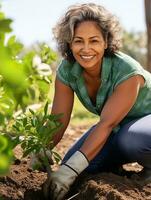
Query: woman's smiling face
pixel 88 45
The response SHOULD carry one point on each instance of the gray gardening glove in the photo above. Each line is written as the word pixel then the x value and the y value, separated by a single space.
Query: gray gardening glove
pixel 61 180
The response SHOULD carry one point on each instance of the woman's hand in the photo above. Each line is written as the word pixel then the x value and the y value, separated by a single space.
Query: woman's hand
pixel 61 180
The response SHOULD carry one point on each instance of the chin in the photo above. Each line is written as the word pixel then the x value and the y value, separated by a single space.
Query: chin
pixel 86 66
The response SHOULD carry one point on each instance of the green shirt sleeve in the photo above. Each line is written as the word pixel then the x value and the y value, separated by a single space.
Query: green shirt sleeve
pixel 126 68
pixel 62 72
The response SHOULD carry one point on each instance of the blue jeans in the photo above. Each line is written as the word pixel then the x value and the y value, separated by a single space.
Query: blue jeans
pixel 132 143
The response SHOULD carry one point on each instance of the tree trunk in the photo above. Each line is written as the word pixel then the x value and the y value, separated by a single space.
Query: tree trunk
pixel 148 26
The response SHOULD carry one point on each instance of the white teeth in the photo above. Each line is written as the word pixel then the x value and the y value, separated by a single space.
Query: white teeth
pixel 87 57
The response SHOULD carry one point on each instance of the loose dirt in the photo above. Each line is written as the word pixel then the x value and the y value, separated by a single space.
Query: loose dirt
pixel 24 184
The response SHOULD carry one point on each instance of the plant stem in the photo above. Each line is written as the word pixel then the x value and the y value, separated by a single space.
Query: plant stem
pixel 46 162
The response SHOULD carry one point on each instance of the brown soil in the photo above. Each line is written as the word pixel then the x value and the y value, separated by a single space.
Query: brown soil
pixel 24 184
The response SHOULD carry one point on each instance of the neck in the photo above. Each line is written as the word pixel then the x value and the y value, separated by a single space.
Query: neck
pixel 93 72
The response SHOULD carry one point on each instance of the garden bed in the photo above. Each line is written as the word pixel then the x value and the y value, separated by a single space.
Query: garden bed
pixel 24 184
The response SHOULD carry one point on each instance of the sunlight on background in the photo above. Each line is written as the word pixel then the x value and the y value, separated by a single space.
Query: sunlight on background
pixel 33 20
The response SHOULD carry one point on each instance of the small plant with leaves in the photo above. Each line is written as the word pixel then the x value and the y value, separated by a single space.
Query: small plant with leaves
pixel 35 131
pixel 22 84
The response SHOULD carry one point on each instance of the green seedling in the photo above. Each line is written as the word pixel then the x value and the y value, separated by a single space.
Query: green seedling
pixel 35 132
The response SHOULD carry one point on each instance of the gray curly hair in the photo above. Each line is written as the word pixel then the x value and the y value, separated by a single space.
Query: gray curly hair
pixel 108 23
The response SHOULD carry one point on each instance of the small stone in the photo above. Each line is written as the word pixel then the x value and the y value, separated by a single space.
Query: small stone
pixel 20 194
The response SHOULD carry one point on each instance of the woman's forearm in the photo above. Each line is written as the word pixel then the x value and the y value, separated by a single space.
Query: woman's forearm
pixel 96 140
pixel 58 136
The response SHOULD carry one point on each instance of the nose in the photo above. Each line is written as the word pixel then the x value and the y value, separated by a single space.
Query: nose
pixel 86 47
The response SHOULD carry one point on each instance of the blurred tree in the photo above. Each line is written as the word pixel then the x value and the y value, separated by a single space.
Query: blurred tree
pixel 22 82
pixel 148 25
pixel 134 44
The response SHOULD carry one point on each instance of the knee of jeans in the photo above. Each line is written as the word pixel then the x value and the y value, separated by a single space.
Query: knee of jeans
pixel 132 144
pixel 127 145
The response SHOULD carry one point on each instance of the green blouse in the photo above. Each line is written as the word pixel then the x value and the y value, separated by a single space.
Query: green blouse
pixel 115 70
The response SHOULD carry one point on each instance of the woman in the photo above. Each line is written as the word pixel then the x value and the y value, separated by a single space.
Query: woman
pixel 109 84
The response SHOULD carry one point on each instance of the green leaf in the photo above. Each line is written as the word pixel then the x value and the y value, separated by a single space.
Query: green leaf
pixel 46 108
pixel 2 39
pixel 2 15
pixel 33 121
pixel 23 144
pixel 56 156
pixel 14 46
pixel 55 117
pixel 32 112
pixel 28 127
pixel 5 25
pixel 24 120
pixel 27 152
pixel 3 143
pixel 13 72
pixel 4 163
pixel 11 40
pixel 5 155
pixel 15 127
pixel 18 123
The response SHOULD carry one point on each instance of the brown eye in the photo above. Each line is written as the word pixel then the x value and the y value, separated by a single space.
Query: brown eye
pixel 94 41
pixel 77 41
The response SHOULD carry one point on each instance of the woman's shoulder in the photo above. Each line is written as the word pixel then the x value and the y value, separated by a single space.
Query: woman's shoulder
pixel 123 63
pixel 124 67
pixel 122 60
pixel 64 65
pixel 63 71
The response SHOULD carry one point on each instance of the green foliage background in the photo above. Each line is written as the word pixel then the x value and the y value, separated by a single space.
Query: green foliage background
pixel 21 84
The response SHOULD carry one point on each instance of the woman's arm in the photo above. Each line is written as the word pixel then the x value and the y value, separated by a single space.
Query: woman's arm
pixel 62 103
pixel 115 109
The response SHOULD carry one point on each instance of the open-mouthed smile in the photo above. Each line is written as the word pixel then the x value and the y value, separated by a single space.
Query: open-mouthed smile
pixel 84 57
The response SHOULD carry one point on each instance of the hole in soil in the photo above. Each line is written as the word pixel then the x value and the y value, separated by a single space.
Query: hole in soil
pixel 32 195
